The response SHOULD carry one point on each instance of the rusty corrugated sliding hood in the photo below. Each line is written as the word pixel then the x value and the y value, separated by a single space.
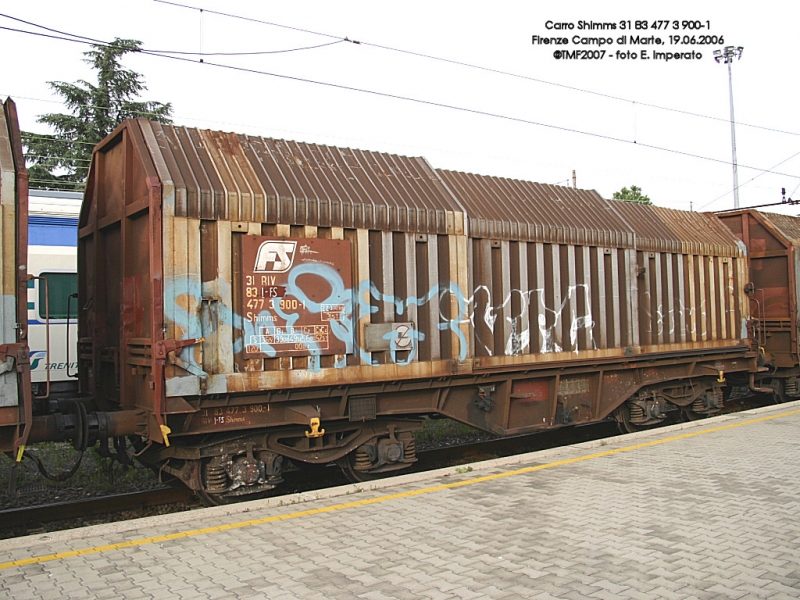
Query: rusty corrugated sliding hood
pixel 787 226
pixel 215 175
pixel 521 210
pixel 235 177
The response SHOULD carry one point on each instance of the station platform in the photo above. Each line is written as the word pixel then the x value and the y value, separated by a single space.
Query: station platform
pixel 707 509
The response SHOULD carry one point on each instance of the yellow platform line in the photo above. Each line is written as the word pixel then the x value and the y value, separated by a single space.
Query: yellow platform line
pixel 326 509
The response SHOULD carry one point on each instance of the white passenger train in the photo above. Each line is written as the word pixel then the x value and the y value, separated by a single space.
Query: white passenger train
pixel 52 256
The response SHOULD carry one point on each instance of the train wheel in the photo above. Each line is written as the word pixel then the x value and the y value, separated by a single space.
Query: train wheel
pixel 391 455
pixel 623 417
pixel 208 499
pixel 687 414
pixel 707 404
pixel 212 481
pixel 779 394
pixel 348 466
pixel 639 414
pixel 226 480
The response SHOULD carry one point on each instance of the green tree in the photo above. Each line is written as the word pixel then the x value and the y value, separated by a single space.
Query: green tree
pixel 632 195
pixel 61 160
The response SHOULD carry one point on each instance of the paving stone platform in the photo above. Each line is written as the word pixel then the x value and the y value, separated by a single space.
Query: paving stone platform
pixel 710 509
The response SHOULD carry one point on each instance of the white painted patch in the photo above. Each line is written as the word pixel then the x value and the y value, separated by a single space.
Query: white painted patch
pixel 9 395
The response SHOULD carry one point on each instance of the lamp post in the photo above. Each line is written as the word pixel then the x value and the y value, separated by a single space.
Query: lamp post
pixel 726 56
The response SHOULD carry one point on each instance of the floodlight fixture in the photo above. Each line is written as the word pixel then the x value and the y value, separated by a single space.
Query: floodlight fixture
pixel 726 56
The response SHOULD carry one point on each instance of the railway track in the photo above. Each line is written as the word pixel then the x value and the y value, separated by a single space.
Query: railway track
pixel 70 514
pixel 31 519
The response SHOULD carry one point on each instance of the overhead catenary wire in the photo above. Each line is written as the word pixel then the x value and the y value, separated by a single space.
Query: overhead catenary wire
pixel 52 139
pixel 478 67
pixel 234 124
pixel 177 52
pixel 474 111
pixel 751 179
pixel 340 39
pixel 49 156
pixel 284 131
pixel 422 102
pixel 85 40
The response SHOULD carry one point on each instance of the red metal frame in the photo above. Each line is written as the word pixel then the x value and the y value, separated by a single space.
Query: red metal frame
pixel 20 350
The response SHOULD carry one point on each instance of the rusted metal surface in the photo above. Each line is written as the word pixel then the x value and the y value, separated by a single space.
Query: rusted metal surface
pixel 550 396
pixel 698 233
pixel 224 176
pixel 15 376
pixel 524 211
pixel 8 278
pixel 165 253
pixel 508 209
pixel 245 300
pixel 773 242
pixel 296 296
pixel 560 274
pixel 787 225
pixel 235 283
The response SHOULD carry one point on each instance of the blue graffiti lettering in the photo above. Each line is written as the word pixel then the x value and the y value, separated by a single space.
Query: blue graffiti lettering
pixel 192 316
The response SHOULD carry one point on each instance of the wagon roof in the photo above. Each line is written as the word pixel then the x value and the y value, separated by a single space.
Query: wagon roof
pixel 512 209
pixel 786 225
pixel 217 175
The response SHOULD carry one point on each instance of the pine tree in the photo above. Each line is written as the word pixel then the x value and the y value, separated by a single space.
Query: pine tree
pixel 61 160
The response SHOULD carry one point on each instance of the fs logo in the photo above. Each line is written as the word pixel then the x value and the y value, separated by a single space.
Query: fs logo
pixel 35 357
pixel 275 257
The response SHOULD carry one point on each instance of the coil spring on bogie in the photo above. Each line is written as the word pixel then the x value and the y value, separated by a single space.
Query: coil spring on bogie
pixel 790 387
pixel 410 450
pixel 362 462
pixel 216 478
pixel 636 413
pixel 698 405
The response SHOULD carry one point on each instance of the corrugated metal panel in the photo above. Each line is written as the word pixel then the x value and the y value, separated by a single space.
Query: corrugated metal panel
pixel 787 225
pixel 242 178
pixel 511 209
pixel 558 272
pixel 652 234
pixel 508 209
pixel 699 233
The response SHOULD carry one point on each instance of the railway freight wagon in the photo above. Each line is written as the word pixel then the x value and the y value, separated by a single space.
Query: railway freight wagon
pixel 246 301
pixel 773 243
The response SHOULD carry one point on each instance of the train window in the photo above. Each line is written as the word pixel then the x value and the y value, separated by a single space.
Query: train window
pixel 60 286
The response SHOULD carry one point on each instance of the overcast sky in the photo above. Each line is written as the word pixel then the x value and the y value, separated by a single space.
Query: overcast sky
pixel 543 129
